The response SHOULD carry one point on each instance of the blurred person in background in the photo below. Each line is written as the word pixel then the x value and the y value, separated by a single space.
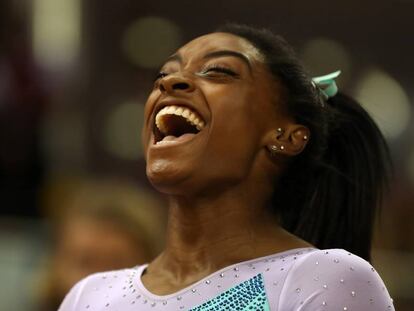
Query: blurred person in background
pixel 97 226
pixel 272 177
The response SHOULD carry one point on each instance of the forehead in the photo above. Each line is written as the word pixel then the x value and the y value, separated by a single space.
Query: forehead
pixel 220 41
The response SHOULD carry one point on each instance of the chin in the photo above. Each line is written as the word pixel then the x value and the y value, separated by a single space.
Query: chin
pixel 167 177
pixel 170 179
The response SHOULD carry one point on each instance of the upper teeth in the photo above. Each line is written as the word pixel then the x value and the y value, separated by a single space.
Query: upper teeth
pixel 191 117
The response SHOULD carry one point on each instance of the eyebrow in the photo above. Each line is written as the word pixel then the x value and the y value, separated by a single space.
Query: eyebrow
pixel 214 54
pixel 229 53
pixel 174 58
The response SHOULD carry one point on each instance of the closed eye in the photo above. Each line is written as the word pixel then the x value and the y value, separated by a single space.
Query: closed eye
pixel 220 69
pixel 213 68
pixel 160 75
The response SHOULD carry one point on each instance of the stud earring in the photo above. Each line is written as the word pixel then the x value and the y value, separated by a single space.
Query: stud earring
pixel 273 150
pixel 305 137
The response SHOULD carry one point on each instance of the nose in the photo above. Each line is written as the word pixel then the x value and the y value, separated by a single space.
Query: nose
pixel 176 83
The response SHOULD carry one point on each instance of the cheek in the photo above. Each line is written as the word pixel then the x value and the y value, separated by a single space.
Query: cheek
pixel 235 132
pixel 236 111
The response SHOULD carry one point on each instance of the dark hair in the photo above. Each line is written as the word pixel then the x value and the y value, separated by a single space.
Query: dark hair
pixel 332 190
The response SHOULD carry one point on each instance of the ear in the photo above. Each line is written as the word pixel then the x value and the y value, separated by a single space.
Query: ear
pixel 288 140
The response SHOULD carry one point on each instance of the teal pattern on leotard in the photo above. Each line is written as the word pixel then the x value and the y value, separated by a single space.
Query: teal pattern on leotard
pixel 247 296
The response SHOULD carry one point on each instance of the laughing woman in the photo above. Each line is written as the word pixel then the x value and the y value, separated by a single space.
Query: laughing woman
pixel 272 177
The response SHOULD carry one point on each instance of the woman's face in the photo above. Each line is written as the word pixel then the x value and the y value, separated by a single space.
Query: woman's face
pixel 208 114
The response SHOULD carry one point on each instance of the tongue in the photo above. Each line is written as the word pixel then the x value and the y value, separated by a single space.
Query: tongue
pixel 177 139
pixel 169 138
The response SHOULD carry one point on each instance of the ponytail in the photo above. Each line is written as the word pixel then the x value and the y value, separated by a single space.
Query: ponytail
pixel 343 189
pixel 330 193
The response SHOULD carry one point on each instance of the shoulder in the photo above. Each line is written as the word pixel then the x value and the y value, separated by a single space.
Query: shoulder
pixel 336 278
pixel 332 262
pixel 94 287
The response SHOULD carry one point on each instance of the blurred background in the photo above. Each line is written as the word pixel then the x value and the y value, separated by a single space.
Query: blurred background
pixel 74 75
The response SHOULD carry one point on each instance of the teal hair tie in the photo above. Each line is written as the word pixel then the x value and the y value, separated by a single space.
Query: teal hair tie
pixel 327 84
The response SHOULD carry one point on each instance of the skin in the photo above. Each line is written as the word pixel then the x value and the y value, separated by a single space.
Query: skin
pixel 219 182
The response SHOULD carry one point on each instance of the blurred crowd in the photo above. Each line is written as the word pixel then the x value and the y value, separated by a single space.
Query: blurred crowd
pixel 96 225
pixel 74 75
pixel 88 225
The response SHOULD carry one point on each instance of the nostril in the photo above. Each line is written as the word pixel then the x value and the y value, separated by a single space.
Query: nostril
pixel 180 86
pixel 175 84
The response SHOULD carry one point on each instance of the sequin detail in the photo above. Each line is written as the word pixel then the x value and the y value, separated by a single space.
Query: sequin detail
pixel 249 295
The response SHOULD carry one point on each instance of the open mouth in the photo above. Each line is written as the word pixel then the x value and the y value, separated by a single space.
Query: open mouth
pixel 173 123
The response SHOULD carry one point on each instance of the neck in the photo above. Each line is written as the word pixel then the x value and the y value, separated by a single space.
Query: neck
pixel 205 235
